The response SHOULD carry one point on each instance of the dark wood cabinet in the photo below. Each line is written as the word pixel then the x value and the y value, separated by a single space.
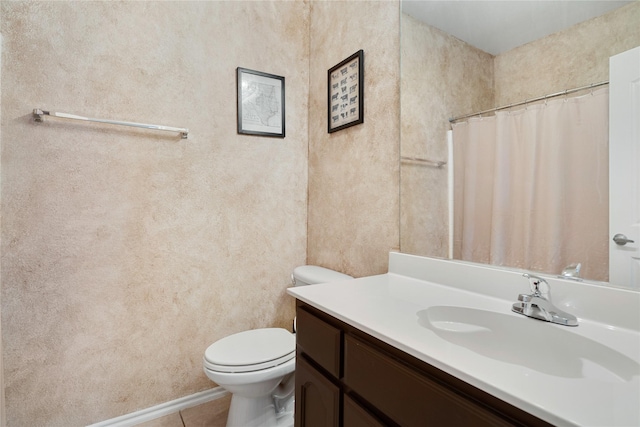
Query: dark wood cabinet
pixel 347 378
pixel 356 416
pixel 317 398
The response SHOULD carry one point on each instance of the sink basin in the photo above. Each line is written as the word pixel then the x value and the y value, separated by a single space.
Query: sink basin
pixel 537 345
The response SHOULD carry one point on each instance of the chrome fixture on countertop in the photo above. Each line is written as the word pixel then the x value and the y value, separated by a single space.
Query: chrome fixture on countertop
pixel 571 272
pixel 538 305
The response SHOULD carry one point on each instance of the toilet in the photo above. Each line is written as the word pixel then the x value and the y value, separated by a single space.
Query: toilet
pixel 257 366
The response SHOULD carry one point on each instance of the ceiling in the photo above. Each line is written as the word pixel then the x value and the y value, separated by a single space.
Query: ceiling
pixel 498 26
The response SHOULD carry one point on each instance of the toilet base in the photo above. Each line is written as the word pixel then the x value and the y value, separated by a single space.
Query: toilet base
pixel 258 412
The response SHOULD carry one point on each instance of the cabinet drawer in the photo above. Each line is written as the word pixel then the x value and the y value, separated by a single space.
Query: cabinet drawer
pixel 319 340
pixel 407 396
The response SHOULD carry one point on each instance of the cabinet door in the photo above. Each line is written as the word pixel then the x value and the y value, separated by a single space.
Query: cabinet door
pixel 317 398
pixel 356 416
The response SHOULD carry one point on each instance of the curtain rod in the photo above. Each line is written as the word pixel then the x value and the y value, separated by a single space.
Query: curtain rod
pixel 527 101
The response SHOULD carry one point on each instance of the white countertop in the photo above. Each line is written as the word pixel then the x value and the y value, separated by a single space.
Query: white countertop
pixel 584 376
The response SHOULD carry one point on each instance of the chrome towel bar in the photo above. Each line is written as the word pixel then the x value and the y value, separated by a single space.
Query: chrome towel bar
pixel 435 163
pixel 38 114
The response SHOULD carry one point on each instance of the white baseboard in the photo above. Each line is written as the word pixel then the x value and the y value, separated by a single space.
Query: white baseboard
pixel 163 409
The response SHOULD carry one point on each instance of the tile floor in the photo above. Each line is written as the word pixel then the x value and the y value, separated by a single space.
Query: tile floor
pixel 210 414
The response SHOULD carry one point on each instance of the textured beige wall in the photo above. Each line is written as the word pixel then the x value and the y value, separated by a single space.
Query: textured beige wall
pixel 441 76
pixel 353 173
pixel 125 252
pixel 572 58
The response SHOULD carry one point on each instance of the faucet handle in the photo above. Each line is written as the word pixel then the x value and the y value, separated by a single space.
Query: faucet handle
pixel 539 286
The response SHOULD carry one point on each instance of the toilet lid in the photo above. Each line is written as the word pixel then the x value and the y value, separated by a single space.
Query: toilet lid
pixel 251 350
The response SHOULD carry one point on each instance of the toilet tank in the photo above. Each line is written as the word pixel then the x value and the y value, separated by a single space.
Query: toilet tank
pixel 312 274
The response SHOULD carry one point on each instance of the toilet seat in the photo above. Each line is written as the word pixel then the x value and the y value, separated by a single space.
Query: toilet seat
pixel 251 350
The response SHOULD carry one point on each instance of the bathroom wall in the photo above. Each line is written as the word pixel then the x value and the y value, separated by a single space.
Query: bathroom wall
pixel 441 75
pixel 572 58
pixel 126 252
pixel 353 173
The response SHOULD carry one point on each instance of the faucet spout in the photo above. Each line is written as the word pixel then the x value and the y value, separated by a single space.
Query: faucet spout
pixel 532 306
pixel 538 305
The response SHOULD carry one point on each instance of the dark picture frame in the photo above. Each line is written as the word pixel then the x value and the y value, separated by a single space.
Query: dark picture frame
pixel 346 93
pixel 261 108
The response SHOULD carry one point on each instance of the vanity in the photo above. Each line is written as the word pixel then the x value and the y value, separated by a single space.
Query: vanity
pixel 434 342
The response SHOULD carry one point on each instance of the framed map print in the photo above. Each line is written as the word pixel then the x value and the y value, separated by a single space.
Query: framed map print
pixel 346 93
pixel 260 103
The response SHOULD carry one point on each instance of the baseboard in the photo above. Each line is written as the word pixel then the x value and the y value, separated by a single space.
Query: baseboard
pixel 163 409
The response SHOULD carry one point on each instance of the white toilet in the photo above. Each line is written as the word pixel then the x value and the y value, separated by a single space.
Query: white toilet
pixel 257 366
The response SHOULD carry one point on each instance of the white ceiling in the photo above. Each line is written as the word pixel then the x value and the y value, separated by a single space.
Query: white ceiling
pixel 498 26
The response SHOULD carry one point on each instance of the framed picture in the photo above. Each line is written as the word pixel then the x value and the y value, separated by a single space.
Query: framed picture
pixel 260 103
pixel 346 93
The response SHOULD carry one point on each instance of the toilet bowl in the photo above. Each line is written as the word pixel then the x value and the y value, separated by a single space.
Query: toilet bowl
pixel 257 366
pixel 252 365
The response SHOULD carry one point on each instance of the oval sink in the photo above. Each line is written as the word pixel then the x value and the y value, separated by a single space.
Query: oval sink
pixel 541 346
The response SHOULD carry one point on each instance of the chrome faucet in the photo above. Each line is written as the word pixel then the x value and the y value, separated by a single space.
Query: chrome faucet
pixel 571 272
pixel 538 305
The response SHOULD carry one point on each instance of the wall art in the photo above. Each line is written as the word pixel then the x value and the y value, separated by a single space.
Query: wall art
pixel 346 93
pixel 260 103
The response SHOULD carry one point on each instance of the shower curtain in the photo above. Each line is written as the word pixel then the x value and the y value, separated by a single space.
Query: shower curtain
pixel 531 187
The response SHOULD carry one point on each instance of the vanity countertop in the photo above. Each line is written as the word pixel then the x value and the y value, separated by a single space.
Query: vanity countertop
pixel 583 376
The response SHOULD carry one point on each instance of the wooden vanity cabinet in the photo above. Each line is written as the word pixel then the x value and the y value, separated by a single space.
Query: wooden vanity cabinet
pixel 317 397
pixel 347 378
